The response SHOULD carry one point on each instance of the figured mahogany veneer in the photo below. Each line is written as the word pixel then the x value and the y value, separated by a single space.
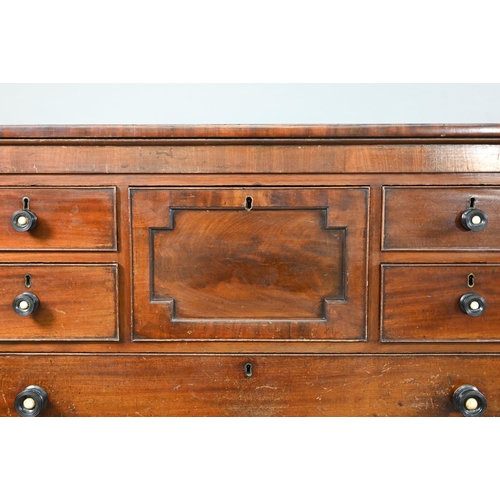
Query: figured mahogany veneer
pixel 249 263
pixel 250 270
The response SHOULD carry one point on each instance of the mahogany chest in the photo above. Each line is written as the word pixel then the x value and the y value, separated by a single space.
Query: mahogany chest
pixel 250 270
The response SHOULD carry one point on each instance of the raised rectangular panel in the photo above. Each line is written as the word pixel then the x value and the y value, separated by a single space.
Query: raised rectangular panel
pixel 235 264
pixel 249 263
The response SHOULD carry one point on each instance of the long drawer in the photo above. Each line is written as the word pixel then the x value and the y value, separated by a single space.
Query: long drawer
pixel 146 385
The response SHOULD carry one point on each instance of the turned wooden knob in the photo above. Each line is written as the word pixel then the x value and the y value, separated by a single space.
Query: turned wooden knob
pixel 472 304
pixel 31 401
pixel 469 401
pixel 474 219
pixel 25 304
pixel 23 220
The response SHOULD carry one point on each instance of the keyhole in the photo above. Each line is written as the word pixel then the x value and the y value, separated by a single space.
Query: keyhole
pixel 26 203
pixel 249 203
pixel 470 280
pixel 248 369
pixel 472 202
pixel 27 280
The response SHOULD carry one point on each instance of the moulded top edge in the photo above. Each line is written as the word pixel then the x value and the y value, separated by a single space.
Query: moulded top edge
pixel 323 131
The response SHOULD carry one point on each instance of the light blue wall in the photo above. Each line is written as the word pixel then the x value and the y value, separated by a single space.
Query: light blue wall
pixel 248 103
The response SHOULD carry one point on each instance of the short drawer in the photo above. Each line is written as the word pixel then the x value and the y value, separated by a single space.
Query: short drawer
pixel 435 218
pixel 58 302
pixel 440 303
pixel 64 219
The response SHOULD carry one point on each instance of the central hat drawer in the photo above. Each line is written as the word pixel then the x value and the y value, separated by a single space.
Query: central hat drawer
pixel 249 263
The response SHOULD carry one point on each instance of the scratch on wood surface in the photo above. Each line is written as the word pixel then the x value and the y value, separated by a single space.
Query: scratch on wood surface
pixel 6 404
pixel 266 387
pixel 345 384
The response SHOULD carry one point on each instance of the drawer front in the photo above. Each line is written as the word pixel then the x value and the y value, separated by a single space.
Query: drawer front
pixel 430 218
pixel 238 264
pixel 75 302
pixel 422 303
pixel 142 385
pixel 66 219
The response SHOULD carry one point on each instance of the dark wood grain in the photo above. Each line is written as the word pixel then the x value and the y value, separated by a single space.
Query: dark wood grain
pixel 76 302
pixel 68 219
pixel 428 218
pixel 250 265
pixel 280 385
pixel 206 268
